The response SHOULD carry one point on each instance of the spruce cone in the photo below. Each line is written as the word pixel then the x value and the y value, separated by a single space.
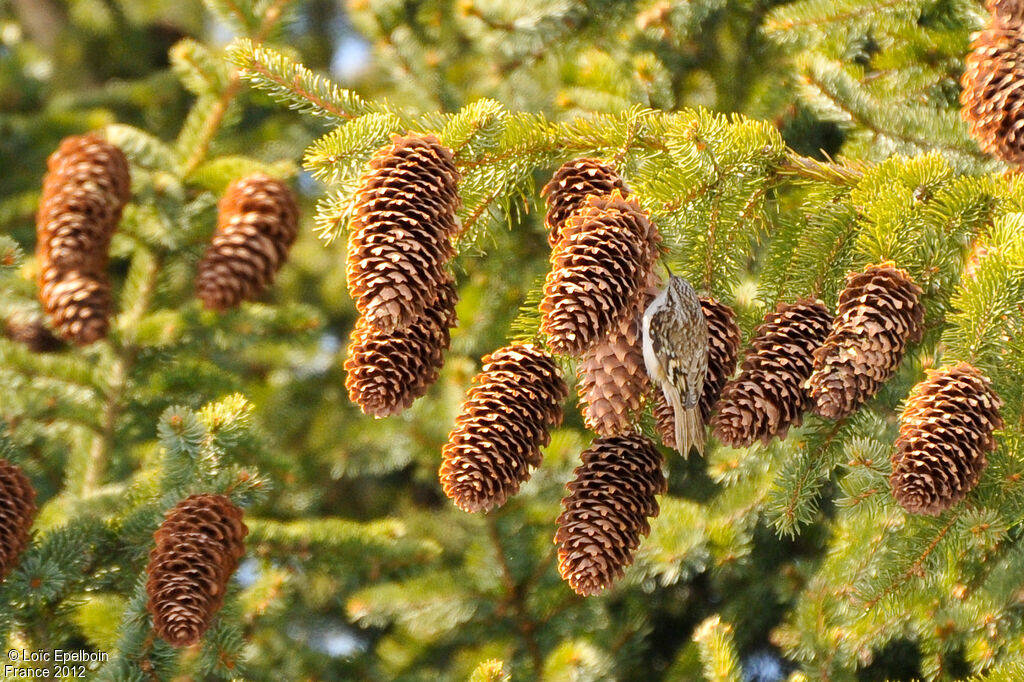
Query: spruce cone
pixel 86 187
pixel 400 236
pixel 613 382
pixel 769 396
pixel 257 223
pixel 501 427
pixel 724 338
pixel 17 511
pixel 599 268
pixel 387 371
pixel 31 331
pixel 569 187
pixel 945 431
pixel 992 104
pixel 197 549
pixel 611 496
pixel 878 315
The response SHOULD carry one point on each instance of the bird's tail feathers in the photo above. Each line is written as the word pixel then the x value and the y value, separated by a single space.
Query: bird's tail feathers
pixel 690 432
pixel 689 425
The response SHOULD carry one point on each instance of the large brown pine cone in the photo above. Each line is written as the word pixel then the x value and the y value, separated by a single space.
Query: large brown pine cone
pixel 613 382
pixel 501 427
pixel 387 371
pixel 992 103
pixel 400 235
pixel 945 432
pixel 569 187
pixel 86 187
pixel 769 396
pixel 257 223
pixel 724 338
pixel 611 497
pixel 599 268
pixel 878 315
pixel 197 549
pixel 17 512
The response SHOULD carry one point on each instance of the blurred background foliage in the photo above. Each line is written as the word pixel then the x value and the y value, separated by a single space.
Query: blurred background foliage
pixel 358 567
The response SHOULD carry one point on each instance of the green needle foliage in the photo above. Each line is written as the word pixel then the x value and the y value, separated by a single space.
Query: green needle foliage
pixel 776 145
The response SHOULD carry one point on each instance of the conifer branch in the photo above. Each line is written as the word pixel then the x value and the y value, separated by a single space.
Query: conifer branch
pixel 216 115
pixel 847 104
pixel 914 569
pixel 799 166
pixel 801 15
pixel 298 87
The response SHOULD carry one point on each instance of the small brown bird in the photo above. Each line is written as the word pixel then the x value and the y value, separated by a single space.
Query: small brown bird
pixel 676 355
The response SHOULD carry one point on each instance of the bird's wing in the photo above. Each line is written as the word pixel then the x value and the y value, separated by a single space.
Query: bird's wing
pixel 681 353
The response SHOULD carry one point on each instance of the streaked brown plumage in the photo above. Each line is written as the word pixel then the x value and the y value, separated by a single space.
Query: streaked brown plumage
pixel 676 355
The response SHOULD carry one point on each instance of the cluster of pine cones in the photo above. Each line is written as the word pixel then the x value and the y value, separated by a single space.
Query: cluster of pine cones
pixel 399 248
pixel 86 187
pixel 602 277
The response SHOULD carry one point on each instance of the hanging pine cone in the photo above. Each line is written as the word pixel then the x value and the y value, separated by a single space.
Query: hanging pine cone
pixel 86 187
pixel 17 512
pixel 501 427
pixel 992 105
pixel 724 338
pixel 613 382
pixel 197 549
pixel 387 371
pixel 611 496
pixel 31 331
pixel 569 187
pixel 769 396
pixel 400 235
pixel 878 315
pixel 257 223
pixel 945 432
pixel 598 270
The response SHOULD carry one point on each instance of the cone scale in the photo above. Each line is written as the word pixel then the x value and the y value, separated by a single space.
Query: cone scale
pixel 569 187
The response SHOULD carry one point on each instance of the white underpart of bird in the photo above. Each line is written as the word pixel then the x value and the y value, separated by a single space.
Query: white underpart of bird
pixel 675 344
